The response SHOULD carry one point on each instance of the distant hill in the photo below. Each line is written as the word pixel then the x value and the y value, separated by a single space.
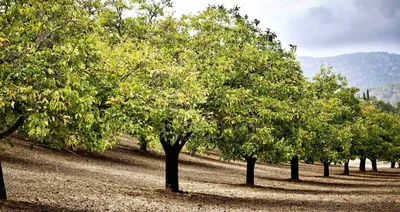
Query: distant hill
pixel 377 71
pixel 389 92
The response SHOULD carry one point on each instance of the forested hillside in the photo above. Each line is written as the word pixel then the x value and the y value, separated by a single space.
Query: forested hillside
pixel 363 70
pixel 389 92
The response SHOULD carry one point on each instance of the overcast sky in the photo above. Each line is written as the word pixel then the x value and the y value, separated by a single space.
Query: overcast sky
pixel 321 27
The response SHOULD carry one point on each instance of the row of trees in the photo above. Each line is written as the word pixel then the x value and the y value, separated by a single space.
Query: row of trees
pixel 77 73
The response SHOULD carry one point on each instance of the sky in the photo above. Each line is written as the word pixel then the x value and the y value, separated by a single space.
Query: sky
pixel 320 28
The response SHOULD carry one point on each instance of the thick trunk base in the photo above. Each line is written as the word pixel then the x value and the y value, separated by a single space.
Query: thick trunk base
pixel 326 169
pixel 3 193
pixel 171 170
pixel 393 165
pixel 294 168
pixel 143 146
pixel 251 162
pixel 346 168
pixel 374 166
pixel 362 164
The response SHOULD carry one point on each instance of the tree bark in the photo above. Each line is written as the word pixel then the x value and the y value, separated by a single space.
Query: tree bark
pixel 171 159
pixel 251 162
pixel 393 165
pixel 171 169
pixel 143 145
pixel 326 169
pixel 374 167
pixel 294 168
pixel 346 168
pixel 362 164
pixel 3 193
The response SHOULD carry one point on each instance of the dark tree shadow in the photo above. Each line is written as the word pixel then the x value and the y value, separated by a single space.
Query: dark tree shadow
pixel 325 184
pixel 31 206
pixel 274 204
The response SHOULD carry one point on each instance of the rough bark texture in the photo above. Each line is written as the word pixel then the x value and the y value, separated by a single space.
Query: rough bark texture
pixel 362 164
pixel 346 168
pixel 294 168
pixel 3 193
pixel 326 169
pixel 251 162
pixel 374 166
pixel 393 165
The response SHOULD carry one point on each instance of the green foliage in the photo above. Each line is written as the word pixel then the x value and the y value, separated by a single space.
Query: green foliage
pixel 81 72
pixel 251 83
pixel 331 114
pixel 51 67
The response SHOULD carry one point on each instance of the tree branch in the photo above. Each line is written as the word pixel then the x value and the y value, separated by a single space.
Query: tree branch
pixel 184 140
pixel 12 129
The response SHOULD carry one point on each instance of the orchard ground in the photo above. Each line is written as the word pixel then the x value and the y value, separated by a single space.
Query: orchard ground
pixel 124 179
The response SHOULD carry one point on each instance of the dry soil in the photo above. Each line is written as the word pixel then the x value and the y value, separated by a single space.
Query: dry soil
pixel 124 179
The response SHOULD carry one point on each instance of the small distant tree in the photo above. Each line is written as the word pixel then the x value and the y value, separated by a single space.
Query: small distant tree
pixel 375 139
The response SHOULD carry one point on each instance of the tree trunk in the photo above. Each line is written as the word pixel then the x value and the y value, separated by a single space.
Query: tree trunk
pixel 171 157
pixel 171 169
pixel 3 193
pixel 294 168
pixel 374 167
pixel 251 162
pixel 143 145
pixel 393 165
pixel 326 169
pixel 346 168
pixel 362 164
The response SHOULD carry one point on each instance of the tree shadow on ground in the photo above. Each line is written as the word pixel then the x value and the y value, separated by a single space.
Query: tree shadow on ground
pixel 31 206
pixel 251 203
pixel 277 189
pixel 111 158
pixel 125 149
pixel 207 158
pixel 381 173
pixel 377 175
pixel 357 178
pixel 325 184
pixel 315 191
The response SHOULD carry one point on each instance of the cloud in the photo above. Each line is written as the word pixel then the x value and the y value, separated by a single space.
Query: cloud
pixel 321 27
pixel 354 22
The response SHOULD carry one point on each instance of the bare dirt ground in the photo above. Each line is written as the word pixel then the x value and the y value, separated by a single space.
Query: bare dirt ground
pixel 124 179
